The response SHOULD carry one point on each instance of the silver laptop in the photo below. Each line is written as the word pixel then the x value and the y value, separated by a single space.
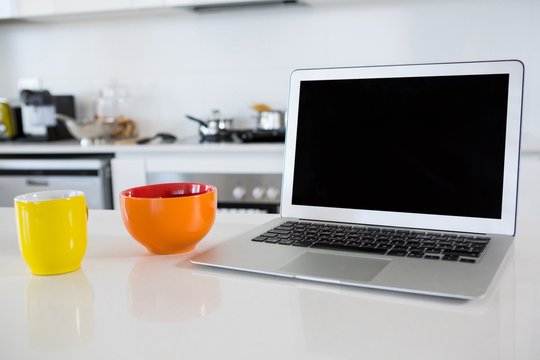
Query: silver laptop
pixel 396 177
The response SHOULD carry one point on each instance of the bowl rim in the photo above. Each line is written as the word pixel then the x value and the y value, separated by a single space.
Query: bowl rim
pixel 211 189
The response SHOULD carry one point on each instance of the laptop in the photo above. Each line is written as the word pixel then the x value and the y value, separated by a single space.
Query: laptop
pixel 395 177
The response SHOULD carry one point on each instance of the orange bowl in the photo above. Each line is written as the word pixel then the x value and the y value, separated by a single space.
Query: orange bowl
pixel 169 218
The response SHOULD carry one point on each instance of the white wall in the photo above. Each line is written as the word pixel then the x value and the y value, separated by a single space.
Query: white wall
pixel 180 62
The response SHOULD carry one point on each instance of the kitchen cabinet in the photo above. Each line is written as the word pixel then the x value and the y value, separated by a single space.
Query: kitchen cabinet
pixel 134 165
pixel 38 8
pixel 6 8
pixel 140 165
pixel 218 3
pixel 31 8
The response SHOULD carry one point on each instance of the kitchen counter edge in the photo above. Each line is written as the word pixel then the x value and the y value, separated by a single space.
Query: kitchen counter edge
pixel 75 148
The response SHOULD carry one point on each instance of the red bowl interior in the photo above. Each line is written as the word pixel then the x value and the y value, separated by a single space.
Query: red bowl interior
pixel 167 190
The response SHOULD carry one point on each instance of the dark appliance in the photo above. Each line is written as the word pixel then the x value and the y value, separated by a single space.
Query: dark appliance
pixel 244 136
pixel 261 135
pixel 38 111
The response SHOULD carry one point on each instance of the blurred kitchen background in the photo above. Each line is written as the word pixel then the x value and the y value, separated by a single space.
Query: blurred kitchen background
pixel 175 60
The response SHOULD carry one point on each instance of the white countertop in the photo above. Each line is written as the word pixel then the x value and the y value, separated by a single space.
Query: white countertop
pixel 73 147
pixel 530 144
pixel 126 304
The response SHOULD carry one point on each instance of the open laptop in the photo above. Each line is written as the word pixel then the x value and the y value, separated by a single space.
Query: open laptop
pixel 397 177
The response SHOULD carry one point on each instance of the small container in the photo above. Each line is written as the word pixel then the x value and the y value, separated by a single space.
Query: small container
pixel 112 103
pixel 8 129
pixel 271 120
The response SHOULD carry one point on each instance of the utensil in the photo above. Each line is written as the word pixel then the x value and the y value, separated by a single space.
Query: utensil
pixel 164 138
pixel 268 118
pixel 271 120
pixel 214 125
pixel 88 132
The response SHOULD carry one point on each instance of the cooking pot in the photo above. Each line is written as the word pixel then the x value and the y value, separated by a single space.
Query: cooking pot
pixel 271 120
pixel 213 126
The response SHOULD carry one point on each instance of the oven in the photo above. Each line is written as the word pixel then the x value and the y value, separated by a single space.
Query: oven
pixel 247 179
pixel 237 192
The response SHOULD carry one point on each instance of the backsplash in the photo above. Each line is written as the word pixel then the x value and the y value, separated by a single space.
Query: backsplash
pixel 181 62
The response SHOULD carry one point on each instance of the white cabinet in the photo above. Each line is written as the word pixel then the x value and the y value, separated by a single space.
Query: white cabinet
pixel 6 8
pixel 30 8
pixel 35 8
pixel 167 3
pixel 214 2
pixel 140 4
pixel 136 165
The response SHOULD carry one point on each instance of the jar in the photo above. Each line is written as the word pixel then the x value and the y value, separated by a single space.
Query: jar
pixel 112 103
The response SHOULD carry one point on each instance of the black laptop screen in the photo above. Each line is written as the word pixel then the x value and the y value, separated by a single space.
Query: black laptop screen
pixel 431 145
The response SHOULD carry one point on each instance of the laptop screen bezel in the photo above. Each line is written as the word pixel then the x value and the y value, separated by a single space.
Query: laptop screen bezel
pixel 505 225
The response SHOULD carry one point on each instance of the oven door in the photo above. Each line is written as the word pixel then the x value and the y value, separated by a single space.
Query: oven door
pixel 236 192
pixel 91 176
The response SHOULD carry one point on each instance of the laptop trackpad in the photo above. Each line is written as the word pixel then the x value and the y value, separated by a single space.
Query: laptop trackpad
pixel 335 267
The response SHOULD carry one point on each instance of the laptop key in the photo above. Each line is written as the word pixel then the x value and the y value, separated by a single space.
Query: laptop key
pixel 278 231
pixel 333 246
pixel 369 249
pixel 397 252
pixel 286 242
pixel 462 253
pixel 260 238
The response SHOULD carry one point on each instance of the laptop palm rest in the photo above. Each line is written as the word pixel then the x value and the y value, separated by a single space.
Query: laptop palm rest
pixel 328 266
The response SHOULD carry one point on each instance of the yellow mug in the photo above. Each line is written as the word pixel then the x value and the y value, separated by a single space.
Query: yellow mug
pixel 52 230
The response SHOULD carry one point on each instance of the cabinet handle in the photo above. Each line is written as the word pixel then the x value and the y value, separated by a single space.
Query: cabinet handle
pixel 34 182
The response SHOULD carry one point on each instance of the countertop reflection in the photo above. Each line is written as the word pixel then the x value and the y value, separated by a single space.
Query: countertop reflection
pixel 60 311
pixel 165 289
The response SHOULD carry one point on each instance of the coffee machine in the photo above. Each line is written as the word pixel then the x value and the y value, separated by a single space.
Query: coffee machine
pixel 38 115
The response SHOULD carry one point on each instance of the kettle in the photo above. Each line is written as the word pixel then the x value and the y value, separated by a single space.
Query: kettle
pixel 8 128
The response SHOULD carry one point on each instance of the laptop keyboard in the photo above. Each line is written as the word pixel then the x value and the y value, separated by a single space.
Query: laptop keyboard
pixel 394 242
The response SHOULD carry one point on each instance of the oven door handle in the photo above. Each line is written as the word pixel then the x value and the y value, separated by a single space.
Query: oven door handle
pixel 37 182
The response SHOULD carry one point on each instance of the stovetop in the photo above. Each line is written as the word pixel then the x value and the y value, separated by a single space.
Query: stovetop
pixel 244 136
pixel 236 136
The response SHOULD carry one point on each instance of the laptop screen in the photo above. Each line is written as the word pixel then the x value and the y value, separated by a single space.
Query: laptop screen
pixel 429 146
pixel 432 145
